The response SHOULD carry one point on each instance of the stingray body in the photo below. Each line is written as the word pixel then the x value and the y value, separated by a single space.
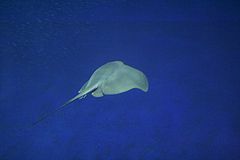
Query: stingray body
pixel 109 79
pixel 113 78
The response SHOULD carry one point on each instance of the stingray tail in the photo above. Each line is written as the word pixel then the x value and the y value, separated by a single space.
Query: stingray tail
pixel 79 96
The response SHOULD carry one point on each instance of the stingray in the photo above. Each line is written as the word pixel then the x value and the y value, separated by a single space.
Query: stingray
pixel 109 79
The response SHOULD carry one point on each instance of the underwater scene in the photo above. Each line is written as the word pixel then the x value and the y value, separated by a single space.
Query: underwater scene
pixel 119 80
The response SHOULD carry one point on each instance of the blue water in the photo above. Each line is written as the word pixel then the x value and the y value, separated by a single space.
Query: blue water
pixel 189 51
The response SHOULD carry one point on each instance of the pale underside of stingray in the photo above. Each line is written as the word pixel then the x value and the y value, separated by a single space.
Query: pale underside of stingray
pixel 109 79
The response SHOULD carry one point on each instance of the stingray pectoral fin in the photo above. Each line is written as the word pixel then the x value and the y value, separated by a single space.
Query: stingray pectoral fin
pixel 83 87
pixel 124 79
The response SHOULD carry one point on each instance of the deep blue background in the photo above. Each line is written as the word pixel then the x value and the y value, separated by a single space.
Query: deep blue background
pixel 190 52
